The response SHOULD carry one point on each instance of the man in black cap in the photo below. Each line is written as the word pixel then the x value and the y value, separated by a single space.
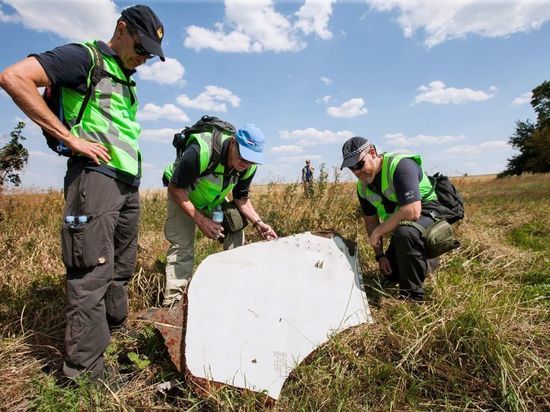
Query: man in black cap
pixel 393 188
pixel 91 88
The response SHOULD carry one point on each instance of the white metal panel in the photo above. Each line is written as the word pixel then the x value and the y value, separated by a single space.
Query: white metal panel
pixel 255 312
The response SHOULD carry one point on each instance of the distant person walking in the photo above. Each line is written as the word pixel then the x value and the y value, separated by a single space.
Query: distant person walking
pixel 103 172
pixel 194 194
pixel 307 177
pixel 393 188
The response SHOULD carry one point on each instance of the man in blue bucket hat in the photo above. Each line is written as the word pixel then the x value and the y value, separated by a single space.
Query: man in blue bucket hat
pixel 212 162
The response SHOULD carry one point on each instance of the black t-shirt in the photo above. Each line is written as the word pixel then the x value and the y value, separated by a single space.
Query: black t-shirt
pixel 406 181
pixel 68 66
pixel 187 171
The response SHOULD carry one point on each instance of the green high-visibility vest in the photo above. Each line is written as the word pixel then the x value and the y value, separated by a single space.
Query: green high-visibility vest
pixel 389 164
pixel 210 190
pixel 109 117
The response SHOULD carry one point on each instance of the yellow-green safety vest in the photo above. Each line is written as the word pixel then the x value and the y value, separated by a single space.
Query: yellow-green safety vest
pixel 109 117
pixel 389 164
pixel 208 191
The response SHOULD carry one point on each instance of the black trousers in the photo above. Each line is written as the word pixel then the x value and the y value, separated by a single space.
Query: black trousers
pixel 100 257
pixel 407 256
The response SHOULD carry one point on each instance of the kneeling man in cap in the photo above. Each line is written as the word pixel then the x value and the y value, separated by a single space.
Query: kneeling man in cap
pixel 393 188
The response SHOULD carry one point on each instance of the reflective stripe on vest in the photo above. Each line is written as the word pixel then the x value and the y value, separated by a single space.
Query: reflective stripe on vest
pixel 109 117
pixel 389 164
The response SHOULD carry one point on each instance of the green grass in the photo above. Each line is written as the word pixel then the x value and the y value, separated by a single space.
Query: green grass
pixel 481 341
pixel 532 235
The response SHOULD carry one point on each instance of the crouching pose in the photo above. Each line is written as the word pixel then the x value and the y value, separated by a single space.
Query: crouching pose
pixel 393 189
pixel 211 165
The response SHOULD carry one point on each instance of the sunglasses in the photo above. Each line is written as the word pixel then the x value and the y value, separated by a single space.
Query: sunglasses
pixel 140 50
pixel 138 47
pixel 357 166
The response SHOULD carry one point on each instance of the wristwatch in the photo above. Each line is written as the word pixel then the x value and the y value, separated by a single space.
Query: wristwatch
pixel 256 222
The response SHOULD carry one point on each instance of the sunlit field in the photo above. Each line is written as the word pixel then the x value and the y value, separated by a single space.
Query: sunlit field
pixel 480 342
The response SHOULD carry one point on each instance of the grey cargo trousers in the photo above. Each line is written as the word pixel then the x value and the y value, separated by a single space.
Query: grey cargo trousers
pixel 100 257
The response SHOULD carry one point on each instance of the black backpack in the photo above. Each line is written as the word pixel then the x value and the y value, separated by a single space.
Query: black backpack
pixel 448 196
pixel 210 124
pixel 52 97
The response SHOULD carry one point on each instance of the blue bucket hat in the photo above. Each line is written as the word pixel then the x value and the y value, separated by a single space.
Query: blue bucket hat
pixel 251 143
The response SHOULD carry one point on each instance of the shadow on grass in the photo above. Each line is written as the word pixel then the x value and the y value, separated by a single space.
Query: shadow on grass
pixel 33 316
pixel 376 287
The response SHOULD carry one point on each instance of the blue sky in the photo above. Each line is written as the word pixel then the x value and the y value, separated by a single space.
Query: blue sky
pixel 446 79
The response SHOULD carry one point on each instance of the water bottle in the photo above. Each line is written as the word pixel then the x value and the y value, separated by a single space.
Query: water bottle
pixel 217 216
pixel 70 220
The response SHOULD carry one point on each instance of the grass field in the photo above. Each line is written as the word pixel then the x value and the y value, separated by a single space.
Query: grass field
pixel 481 342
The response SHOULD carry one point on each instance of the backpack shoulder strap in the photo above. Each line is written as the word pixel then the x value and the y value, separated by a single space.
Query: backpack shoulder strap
pixel 216 152
pixel 96 73
pixel 433 181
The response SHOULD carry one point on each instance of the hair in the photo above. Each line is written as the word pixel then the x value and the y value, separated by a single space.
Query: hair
pixel 131 29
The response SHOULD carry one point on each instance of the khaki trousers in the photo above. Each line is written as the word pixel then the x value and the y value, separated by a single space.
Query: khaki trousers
pixel 179 230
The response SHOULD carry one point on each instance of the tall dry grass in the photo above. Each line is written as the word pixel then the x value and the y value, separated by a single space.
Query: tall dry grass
pixel 481 342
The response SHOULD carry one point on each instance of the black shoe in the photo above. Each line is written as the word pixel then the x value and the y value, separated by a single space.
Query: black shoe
pixel 389 281
pixel 411 296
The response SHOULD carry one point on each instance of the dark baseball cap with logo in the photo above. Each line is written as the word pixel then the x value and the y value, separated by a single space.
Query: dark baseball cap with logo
pixel 148 26
pixel 352 149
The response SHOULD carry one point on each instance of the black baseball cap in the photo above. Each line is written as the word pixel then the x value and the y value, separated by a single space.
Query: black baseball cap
pixel 148 26
pixel 352 149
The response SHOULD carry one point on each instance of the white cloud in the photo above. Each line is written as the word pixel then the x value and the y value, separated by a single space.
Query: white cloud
pixel 301 158
pixel 168 111
pixel 168 72
pixel 326 80
pixel 165 135
pixel 199 38
pixel 351 108
pixel 444 20
pixel 254 27
pixel 80 20
pixel 314 16
pixel 312 136
pixel 492 146
pixel 9 18
pixel 437 93
pixel 31 128
pixel 324 99
pixel 287 149
pixel 524 98
pixel 214 98
pixel 49 156
pixel 399 139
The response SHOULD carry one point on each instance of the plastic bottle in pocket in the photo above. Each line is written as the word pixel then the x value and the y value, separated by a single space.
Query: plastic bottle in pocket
pixel 70 220
pixel 217 215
